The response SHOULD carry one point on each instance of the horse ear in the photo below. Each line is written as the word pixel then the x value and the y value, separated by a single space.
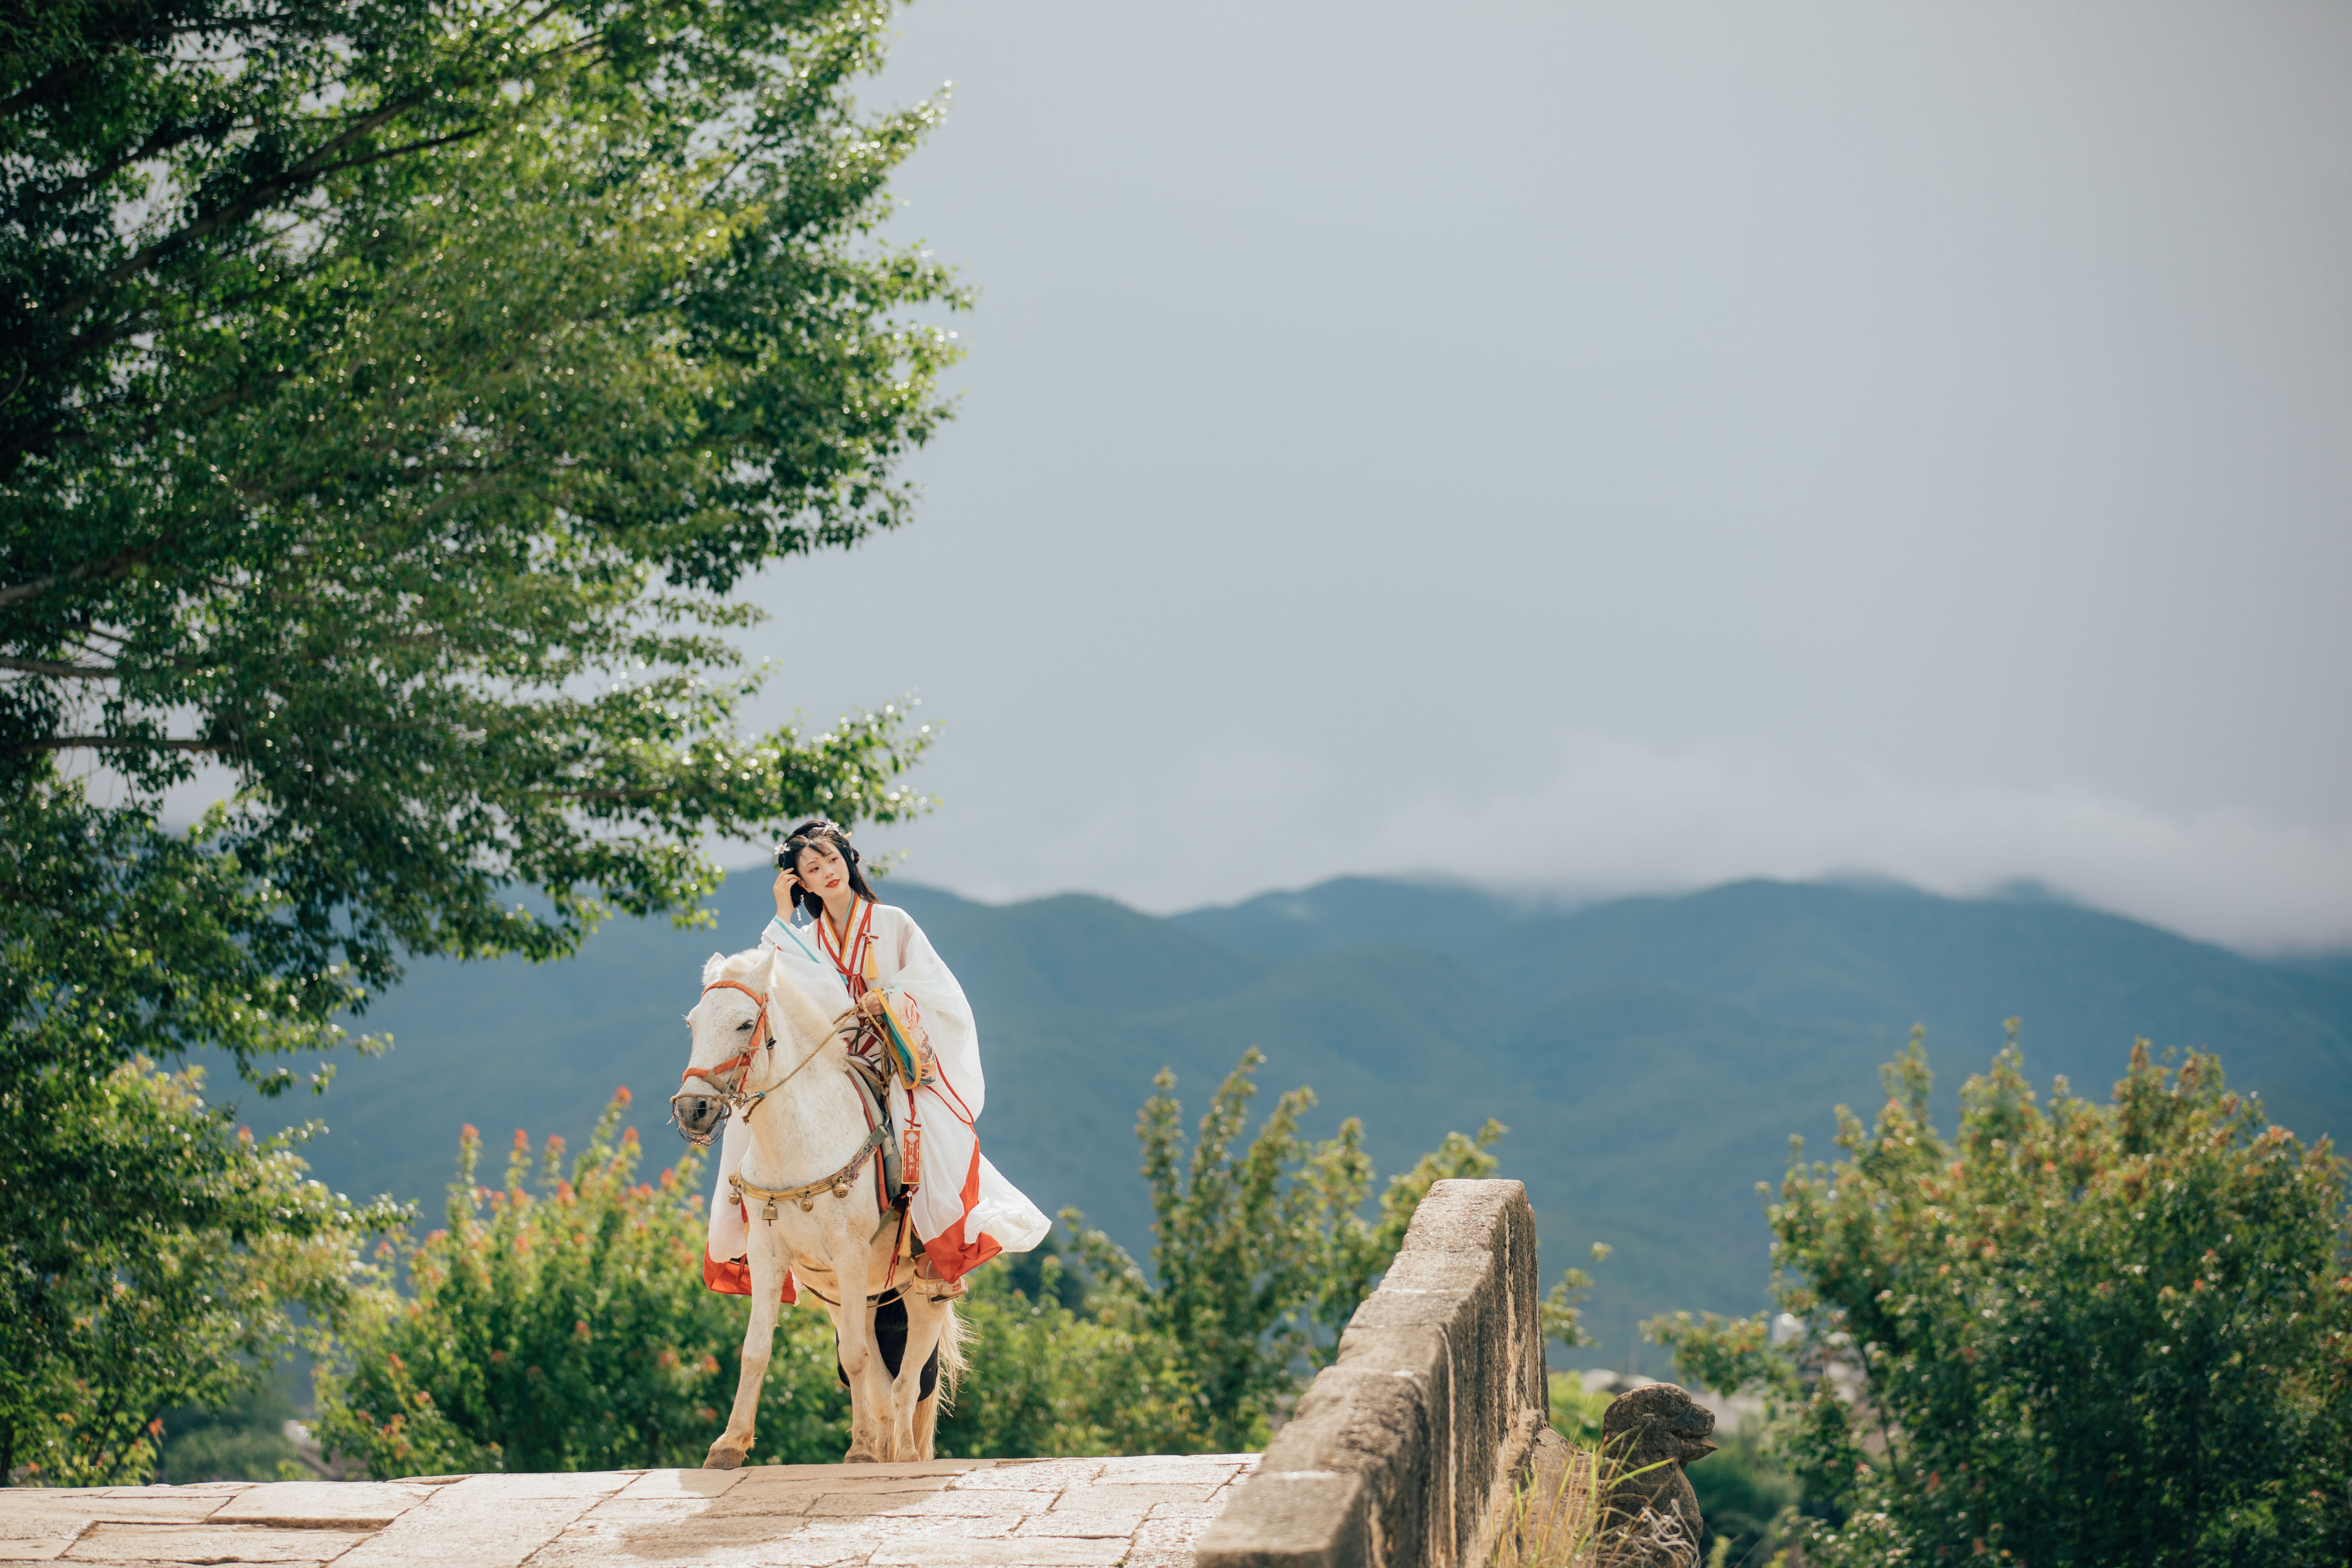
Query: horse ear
pixel 711 966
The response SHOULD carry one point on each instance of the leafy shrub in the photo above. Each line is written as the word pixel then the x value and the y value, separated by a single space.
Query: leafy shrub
pixel 1050 1377
pixel 2075 1333
pixel 565 1327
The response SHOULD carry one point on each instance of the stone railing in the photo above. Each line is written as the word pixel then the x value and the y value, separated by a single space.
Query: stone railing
pixel 1405 1452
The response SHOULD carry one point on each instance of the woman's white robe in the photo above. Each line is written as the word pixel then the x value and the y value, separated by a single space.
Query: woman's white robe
pixel 964 1210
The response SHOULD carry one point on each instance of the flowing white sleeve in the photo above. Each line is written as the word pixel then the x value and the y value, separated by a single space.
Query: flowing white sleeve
pixel 915 966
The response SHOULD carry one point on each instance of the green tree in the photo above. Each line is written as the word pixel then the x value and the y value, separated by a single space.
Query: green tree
pixel 1260 1257
pixel 188 1254
pixel 2074 1333
pixel 562 1324
pixel 392 393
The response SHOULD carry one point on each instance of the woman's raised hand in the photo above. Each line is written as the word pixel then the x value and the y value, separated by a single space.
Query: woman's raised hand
pixel 786 882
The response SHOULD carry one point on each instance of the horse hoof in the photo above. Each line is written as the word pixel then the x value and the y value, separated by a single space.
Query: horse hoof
pixel 723 1459
pixel 859 1456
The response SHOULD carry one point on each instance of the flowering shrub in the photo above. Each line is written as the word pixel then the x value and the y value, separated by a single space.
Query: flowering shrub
pixel 2077 1333
pixel 562 1324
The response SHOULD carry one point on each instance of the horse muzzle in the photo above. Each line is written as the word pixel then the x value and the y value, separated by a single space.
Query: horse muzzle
pixel 699 1116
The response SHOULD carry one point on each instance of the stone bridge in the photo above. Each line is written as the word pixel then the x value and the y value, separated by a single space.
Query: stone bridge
pixel 1402 1453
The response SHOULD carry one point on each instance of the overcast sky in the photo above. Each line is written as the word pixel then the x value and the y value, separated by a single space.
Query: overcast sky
pixel 1607 446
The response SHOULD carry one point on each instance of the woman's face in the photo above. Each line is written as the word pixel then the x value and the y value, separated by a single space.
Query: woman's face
pixel 822 870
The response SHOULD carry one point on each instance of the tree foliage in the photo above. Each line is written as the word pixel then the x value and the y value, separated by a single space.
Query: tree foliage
pixel 454 363
pixel 156 1286
pixel 2074 1333
pixel 392 392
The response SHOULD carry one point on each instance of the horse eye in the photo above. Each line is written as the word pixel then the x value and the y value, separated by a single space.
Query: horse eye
pixel 743 1026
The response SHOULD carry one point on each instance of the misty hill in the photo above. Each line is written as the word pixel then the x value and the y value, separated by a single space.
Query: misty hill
pixel 1650 1056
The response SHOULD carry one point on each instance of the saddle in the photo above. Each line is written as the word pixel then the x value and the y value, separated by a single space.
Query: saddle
pixel 891 1168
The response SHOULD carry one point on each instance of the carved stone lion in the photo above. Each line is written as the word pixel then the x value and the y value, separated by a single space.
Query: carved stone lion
pixel 1646 1437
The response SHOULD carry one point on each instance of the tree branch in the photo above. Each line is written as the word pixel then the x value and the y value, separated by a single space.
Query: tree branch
pixel 116 743
pixel 60 671
pixel 83 573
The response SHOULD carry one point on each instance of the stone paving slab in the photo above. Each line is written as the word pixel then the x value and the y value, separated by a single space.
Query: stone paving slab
pixel 457 1529
pixel 1081 1521
pixel 210 1544
pixel 1031 1475
pixel 1143 1512
pixel 658 1484
pixel 1166 1542
pixel 369 1505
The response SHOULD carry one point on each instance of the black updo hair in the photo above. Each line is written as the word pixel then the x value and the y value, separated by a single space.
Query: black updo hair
pixel 808 834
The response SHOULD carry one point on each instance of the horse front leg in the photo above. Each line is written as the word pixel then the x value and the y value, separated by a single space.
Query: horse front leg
pixel 861 1361
pixel 769 1261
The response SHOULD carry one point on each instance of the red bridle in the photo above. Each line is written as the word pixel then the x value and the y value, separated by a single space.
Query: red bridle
pixel 759 1036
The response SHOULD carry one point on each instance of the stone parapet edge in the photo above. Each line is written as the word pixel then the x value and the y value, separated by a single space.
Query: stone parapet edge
pixel 1404 1451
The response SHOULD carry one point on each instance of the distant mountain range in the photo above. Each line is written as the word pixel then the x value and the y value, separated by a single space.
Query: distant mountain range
pixel 1650 1056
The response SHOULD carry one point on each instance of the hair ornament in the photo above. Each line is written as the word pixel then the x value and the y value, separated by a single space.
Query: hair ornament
pixel 820 830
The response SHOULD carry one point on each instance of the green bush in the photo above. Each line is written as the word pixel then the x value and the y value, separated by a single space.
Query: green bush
pixel 564 1325
pixel 1050 1377
pixel 1576 1414
pixel 2073 1334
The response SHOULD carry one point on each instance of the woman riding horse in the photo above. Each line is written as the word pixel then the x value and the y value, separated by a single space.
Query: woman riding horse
pixel 847 949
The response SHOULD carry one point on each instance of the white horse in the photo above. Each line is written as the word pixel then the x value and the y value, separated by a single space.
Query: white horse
pixel 766 1051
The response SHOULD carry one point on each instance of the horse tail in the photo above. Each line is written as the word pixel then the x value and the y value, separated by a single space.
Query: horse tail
pixel 953 1335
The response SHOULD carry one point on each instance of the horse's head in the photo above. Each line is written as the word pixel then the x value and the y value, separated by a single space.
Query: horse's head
pixel 748 1016
pixel 731 1031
